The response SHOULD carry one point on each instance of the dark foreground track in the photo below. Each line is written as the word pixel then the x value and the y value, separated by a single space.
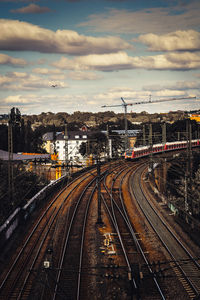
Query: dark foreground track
pixel 67 254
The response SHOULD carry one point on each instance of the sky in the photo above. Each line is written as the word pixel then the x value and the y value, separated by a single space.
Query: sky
pixel 79 55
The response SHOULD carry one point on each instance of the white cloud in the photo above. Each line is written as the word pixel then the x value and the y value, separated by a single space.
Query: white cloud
pixel 17 75
pixel 57 78
pixel 46 71
pixel 8 60
pixel 121 61
pixel 180 85
pixel 5 80
pixel 14 81
pixel 79 75
pixel 175 41
pixel 104 62
pixel 16 99
pixel 23 36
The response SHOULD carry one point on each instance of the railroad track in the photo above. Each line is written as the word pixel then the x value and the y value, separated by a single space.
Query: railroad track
pixel 133 252
pixel 185 266
pixel 17 280
pixel 68 278
pixel 69 256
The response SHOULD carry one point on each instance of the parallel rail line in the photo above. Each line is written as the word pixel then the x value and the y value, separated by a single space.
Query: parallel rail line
pixel 187 272
pixel 132 250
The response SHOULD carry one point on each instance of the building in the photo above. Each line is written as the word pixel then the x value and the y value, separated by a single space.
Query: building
pixel 66 148
pixel 132 135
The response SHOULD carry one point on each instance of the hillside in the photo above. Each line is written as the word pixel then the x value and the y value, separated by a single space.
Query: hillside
pixel 95 119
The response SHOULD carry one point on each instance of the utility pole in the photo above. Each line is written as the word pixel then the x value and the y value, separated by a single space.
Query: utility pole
pixel 10 159
pixel 164 133
pixel 144 136
pixel 126 123
pixel 188 172
pixel 14 119
pixel 99 218
pixel 66 150
pixel 151 148
pixel 108 145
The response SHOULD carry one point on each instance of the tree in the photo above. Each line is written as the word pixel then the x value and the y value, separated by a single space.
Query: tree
pixel 95 145
pixel 4 137
pixel 117 143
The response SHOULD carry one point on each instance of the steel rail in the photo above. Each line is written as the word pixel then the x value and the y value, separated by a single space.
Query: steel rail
pixel 27 241
pixel 124 215
pixel 115 224
pixel 136 240
pixel 66 242
pixel 37 255
pixel 23 249
pixel 82 240
pixel 194 283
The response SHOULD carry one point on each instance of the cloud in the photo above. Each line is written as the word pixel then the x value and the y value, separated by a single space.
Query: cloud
pixel 121 61
pixel 17 75
pixel 16 99
pixel 155 20
pixel 104 62
pixel 31 9
pixel 4 80
pixel 23 36
pixel 175 41
pixel 180 85
pixel 12 61
pixel 79 75
pixel 14 81
pixel 46 71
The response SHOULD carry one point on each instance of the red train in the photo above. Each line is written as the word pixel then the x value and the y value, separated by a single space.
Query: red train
pixel 146 150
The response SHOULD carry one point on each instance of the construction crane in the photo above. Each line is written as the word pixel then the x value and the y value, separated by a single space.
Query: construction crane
pixel 124 104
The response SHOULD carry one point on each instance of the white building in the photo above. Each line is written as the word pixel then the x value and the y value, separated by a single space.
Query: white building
pixel 68 146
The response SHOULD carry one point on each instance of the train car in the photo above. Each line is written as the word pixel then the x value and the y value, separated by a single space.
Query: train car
pixel 175 145
pixel 137 152
pixel 134 153
pixel 141 151
pixel 195 143
pixel 129 154
pixel 158 148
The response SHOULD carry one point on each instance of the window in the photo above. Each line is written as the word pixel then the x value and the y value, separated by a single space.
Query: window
pixel 76 136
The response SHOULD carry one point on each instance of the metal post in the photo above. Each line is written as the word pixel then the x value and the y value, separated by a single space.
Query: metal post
pixel 144 136
pixel 99 219
pixel 151 148
pixel 108 145
pixel 164 135
pixel 190 163
pixel 126 127
pixel 66 150
pixel 10 160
